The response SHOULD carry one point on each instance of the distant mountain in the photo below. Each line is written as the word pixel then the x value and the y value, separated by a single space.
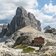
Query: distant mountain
pixel 1 27
pixel 4 21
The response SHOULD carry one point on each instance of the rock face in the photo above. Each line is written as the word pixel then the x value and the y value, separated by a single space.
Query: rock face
pixel 3 31
pixel 49 29
pixel 6 51
pixel 22 19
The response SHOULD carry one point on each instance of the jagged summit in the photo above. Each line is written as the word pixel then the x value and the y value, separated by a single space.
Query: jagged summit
pixel 21 11
pixel 21 19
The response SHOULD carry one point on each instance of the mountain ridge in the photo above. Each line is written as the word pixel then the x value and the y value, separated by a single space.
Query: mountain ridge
pixel 21 19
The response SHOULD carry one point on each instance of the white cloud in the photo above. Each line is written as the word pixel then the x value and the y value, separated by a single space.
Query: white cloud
pixel 8 7
pixel 49 8
pixel 44 15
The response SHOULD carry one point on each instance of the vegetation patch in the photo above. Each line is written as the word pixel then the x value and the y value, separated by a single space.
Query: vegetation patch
pixel 28 50
pixel 53 54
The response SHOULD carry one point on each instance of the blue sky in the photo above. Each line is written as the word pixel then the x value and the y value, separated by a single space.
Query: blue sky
pixel 44 10
pixel 48 8
pixel 41 3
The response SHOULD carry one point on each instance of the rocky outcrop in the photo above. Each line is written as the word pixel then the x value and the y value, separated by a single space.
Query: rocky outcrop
pixel 29 33
pixel 3 31
pixel 49 29
pixel 6 51
pixel 34 23
pixel 22 19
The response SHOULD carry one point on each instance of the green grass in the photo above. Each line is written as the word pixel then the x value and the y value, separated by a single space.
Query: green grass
pixel 53 54
pixel 28 50
pixel 25 48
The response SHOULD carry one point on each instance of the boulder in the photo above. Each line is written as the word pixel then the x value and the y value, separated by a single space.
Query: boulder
pixel 9 42
pixel 22 39
pixel 49 29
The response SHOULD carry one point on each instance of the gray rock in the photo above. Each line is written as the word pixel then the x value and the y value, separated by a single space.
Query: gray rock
pixel 22 19
pixel 9 42
pixel 22 39
pixel 3 31
pixel 49 29
pixel 8 54
pixel 34 22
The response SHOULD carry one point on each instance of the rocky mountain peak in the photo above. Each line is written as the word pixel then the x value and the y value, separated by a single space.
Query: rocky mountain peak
pixel 22 19
pixel 31 16
pixel 21 11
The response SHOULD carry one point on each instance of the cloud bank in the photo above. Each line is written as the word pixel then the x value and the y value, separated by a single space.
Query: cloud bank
pixel 47 14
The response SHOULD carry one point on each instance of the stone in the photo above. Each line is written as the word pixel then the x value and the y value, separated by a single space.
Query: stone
pixel 22 19
pixel 22 39
pixel 34 22
pixel 49 29
pixel 3 31
pixel 9 42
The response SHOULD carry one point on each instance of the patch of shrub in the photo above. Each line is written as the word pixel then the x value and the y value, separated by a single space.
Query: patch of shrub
pixel 53 54
pixel 28 50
